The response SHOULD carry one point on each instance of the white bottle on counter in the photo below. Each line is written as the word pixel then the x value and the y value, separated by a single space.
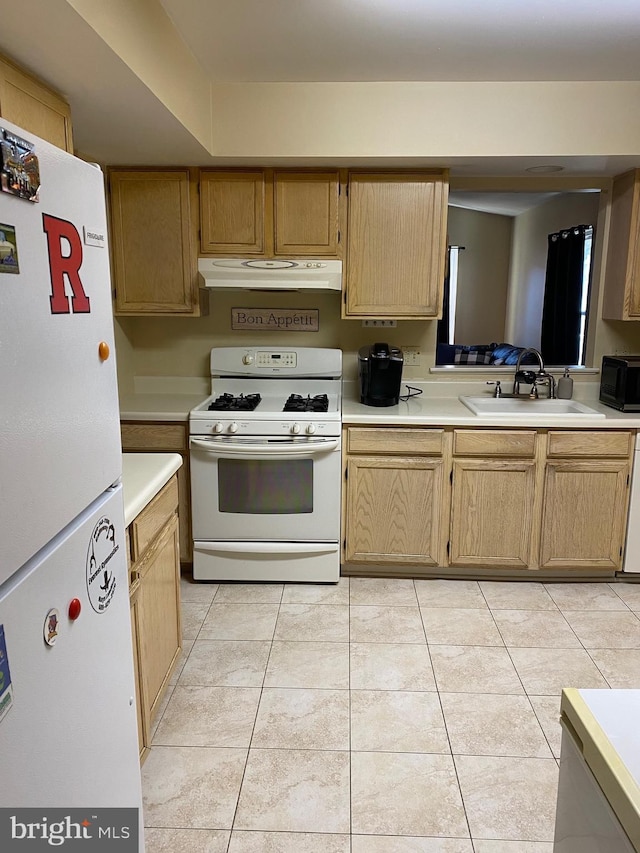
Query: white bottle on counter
pixel 564 390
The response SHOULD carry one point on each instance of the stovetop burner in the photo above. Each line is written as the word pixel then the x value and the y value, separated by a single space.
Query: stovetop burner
pixel 229 403
pixel 298 403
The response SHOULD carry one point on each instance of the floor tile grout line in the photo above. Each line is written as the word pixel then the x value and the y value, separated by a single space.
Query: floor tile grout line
pixel 446 728
pixel 253 728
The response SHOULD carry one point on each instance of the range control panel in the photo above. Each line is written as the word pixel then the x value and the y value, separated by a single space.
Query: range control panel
pixel 276 359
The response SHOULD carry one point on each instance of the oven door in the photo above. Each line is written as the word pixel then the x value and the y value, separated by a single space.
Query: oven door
pixel 265 489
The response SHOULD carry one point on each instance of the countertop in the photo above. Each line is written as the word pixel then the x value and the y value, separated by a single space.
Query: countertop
pixel 438 405
pixel 606 721
pixel 158 406
pixel 143 475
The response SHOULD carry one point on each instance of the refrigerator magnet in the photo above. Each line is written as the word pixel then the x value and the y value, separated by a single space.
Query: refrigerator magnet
pixel 50 628
pixel 101 578
pixel 8 249
pixel 6 690
pixel 19 167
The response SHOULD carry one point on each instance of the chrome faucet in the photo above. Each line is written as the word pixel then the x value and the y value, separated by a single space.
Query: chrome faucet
pixel 530 377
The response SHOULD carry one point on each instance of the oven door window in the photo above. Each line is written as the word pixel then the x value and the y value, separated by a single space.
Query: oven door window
pixel 265 487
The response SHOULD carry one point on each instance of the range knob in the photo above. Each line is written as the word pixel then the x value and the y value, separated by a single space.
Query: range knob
pixel 295 429
pixel 233 427
pixel 247 358
pixel 217 427
pixel 311 428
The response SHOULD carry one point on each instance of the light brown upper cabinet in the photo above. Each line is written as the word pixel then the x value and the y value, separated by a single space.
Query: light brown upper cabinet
pixel 154 261
pixel 397 244
pixel 622 281
pixel 267 213
pixel 306 213
pixel 30 104
pixel 232 212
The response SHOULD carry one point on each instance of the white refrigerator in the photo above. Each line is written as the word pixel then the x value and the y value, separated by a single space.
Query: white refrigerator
pixel 68 724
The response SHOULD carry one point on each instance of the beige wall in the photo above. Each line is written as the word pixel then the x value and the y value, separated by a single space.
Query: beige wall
pixel 179 346
pixel 483 273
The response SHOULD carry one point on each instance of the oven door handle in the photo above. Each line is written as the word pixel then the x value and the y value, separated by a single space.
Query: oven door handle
pixel 266 451
pixel 248 547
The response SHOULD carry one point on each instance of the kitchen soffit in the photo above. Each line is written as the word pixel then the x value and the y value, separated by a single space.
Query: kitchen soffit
pixel 333 40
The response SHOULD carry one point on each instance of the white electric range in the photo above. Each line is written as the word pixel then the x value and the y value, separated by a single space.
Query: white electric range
pixel 265 466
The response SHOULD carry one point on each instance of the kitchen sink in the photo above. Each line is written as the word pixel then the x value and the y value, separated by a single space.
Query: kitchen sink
pixel 526 407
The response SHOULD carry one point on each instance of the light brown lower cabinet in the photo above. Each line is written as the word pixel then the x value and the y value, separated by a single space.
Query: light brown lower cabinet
pixel 155 603
pixel 492 513
pixel 395 496
pixel 584 515
pixel 486 499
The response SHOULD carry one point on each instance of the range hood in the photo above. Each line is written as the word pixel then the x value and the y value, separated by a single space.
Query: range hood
pixel 270 274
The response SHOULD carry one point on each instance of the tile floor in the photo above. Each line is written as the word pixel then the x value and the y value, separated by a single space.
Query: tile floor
pixel 377 716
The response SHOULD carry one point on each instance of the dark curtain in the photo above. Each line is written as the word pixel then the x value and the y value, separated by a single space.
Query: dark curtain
pixel 443 325
pixel 562 296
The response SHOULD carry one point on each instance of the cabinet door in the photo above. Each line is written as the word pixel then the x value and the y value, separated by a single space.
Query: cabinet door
pixel 492 513
pixel 306 213
pixel 397 245
pixel 142 733
pixel 232 208
pixel 394 507
pixel 159 639
pixel 153 263
pixel 622 281
pixel 31 105
pixel 585 504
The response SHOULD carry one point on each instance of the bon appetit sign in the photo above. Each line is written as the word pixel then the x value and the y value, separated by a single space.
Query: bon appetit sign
pixel 275 319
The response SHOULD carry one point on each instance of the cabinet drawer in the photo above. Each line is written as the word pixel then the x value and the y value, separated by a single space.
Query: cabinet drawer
pixel 408 441
pixel 153 437
pixel 603 444
pixel 153 517
pixel 489 442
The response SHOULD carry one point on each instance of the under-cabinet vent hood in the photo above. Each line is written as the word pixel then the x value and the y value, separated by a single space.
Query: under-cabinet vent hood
pixel 270 274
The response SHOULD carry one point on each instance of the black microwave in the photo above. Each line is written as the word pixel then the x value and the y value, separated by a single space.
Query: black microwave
pixel 620 382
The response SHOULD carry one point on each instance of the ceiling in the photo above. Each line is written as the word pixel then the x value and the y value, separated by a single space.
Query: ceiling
pixel 502 204
pixel 118 119
pixel 410 40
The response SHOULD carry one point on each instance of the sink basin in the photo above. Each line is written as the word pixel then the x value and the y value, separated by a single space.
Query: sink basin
pixel 525 407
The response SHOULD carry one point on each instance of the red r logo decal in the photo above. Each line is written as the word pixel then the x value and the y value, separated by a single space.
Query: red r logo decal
pixel 61 265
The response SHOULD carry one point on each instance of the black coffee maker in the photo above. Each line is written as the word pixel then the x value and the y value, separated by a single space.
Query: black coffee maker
pixel 380 374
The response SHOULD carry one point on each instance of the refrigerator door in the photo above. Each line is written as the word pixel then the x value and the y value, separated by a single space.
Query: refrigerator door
pixel 68 731
pixel 59 430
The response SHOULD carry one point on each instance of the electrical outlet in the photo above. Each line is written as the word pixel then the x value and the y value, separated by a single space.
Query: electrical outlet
pixel 380 324
pixel 411 356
